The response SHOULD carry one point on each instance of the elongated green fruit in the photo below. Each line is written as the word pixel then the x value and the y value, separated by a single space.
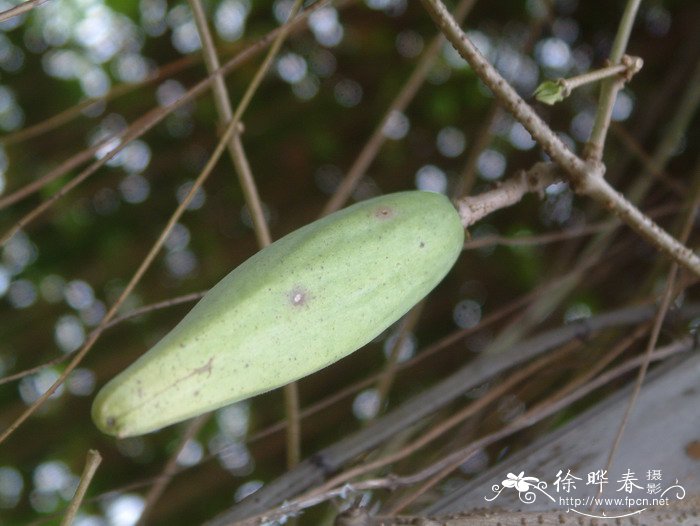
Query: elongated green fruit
pixel 293 308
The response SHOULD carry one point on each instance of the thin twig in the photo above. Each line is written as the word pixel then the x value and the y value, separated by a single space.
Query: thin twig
pixel 610 356
pixel 170 468
pixel 291 390
pixel 655 331
pixel 19 9
pixel 63 168
pixel 610 87
pixel 482 139
pixel 91 464
pixel 292 412
pixel 628 68
pixel 391 367
pixel 633 147
pixel 539 239
pixel 117 320
pixel 551 92
pixel 140 311
pixel 240 161
pixel 257 215
pixel 26 372
pixel 535 180
pixel 67 115
pixel 556 236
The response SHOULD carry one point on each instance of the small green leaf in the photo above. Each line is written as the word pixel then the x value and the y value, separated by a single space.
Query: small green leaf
pixel 550 92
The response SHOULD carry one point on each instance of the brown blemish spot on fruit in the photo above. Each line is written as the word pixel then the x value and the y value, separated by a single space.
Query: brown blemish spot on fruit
pixel 692 449
pixel 298 296
pixel 111 422
pixel 206 368
pixel 422 244
pixel 384 212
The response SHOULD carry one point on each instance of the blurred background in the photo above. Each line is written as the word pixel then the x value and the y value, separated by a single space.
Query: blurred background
pixel 75 73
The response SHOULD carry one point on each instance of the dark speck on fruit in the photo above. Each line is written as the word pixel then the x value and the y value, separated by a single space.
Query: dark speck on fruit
pixel 384 212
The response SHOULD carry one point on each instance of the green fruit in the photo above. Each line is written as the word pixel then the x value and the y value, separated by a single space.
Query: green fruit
pixel 300 304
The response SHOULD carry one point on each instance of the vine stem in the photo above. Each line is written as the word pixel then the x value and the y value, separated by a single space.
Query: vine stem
pixel 154 494
pixel 586 176
pixel 391 368
pixel 223 108
pixel 628 66
pixel 20 9
pixel 610 87
pixel 91 464
pixel 536 179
